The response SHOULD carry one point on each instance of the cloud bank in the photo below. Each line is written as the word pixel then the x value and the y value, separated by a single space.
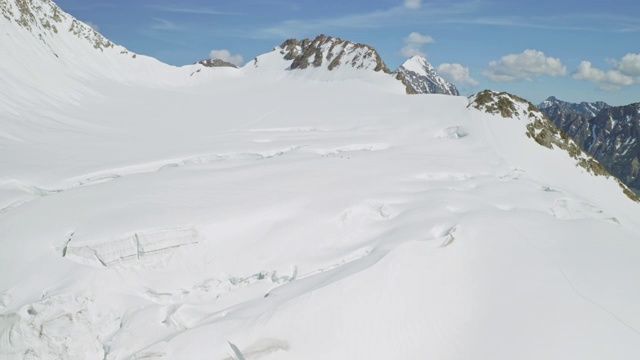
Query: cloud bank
pixel 524 66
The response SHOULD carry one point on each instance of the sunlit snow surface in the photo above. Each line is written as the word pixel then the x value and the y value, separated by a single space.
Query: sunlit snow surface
pixel 272 214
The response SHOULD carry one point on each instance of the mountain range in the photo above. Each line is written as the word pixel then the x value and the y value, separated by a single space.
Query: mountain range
pixel 609 134
pixel 302 206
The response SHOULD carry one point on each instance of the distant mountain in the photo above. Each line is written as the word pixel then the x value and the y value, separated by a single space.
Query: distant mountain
pixel 420 77
pixel 610 134
pixel 555 106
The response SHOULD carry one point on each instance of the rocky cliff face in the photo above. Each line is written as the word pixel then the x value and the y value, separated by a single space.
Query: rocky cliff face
pixel 542 130
pixel 419 77
pixel 331 53
pixel 610 134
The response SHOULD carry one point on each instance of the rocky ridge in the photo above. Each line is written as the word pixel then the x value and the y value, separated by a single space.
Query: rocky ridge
pixel 610 135
pixel 216 63
pixel 553 106
pixel 331 53
pixel 44 19
pixel 542 130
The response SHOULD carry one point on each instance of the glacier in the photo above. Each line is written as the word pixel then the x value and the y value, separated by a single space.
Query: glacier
pixel 159 212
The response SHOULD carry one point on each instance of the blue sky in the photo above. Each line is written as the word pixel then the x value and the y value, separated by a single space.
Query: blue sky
pixel 575 50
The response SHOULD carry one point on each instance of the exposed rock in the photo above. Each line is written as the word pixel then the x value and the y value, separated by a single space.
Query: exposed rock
pixel 609 134
pixel 331 53
pixel 216 63
pixel 43 18
pixel 420 77
pixel 553 106
pixel 542 130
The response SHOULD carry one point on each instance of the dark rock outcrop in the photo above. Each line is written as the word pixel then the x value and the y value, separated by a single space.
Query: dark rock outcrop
pixel 216 63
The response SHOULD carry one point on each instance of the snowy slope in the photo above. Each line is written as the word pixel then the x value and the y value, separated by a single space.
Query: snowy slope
pixel 54 56
pixel 279 215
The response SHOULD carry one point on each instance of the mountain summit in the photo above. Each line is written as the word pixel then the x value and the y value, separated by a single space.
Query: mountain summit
pixel 420 77
pixel 331 53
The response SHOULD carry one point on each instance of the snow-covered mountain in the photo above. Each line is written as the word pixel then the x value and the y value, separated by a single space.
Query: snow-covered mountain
pixel 266 213
pixel 554 107
pixel 610 134
pixel 419 77
pixel 331 53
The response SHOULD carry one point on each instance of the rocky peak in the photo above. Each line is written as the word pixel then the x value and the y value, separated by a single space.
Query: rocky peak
pixel 331 53
pixel 420 77
pixel 540 129
pixel 504 104
pixel 43 18
pixel 216 63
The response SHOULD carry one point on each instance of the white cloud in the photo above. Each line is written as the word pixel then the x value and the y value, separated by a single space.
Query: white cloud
pixel 414 43
pixel 225 55
pixel 93 25
pixel 611 80
pixel 413 4
pixel 457 74
pixel 629 65
pixel 527 65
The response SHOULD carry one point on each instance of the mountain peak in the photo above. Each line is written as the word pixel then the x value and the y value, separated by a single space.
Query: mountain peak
pixel 420 77
pixel 419 65
pixel 331 53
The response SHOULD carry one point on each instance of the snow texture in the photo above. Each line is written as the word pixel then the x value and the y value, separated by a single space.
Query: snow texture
pixel 265 213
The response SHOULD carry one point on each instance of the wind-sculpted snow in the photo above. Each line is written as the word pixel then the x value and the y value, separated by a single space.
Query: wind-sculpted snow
pixel 344 220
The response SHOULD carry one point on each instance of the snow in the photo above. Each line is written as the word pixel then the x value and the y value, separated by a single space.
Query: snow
pixel 272 214
pixel 418 65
